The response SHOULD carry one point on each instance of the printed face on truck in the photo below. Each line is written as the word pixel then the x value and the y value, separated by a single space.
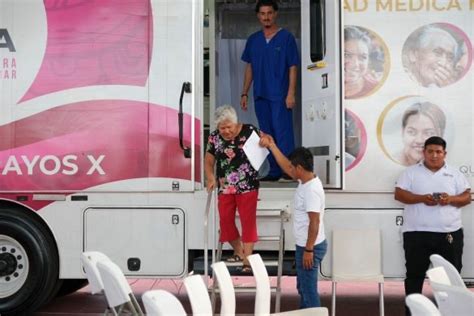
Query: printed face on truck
pixel 418 128
pixel 435 61
pixel 356 61
pixel 431 54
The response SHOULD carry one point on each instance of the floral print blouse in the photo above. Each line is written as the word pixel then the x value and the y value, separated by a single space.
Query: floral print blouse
pixel 235 174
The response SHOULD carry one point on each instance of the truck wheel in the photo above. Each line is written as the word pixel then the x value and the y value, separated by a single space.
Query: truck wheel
pixel 28 263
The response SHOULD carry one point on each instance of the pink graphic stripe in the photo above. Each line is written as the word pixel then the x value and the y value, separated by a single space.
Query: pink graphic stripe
pixel 115 129
pixel 94 42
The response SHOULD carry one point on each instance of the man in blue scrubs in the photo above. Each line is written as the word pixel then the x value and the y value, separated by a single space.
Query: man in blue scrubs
pixel 272 59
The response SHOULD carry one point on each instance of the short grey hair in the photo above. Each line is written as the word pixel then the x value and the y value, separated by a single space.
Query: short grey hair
pixel 225 113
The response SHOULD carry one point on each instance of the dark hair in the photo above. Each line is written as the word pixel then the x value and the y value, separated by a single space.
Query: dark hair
pixel 435 140
pixel 303 157
pixel 266 3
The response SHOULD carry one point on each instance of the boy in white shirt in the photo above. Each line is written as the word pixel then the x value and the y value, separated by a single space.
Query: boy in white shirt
pixel 311 245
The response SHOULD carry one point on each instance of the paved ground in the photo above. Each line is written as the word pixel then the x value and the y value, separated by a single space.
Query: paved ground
pixel 355 299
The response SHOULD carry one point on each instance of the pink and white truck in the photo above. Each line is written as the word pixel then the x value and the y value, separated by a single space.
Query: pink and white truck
pixel 103 117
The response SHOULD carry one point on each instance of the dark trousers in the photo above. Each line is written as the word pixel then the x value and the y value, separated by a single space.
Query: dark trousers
pixel 419 246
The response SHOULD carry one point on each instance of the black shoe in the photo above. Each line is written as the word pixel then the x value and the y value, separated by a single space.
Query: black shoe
pixel 270 179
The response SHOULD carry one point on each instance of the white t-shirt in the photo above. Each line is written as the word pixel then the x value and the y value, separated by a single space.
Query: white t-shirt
pixel 418 179
pixel 309 197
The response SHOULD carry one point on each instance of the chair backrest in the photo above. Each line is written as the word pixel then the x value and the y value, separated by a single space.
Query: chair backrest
pixel 226 288
pixel 420 305
pixel 453 300
pixel 438 275
pixel 357 255
pixel 263 295
pixel 116 287
pixel 89 261
pixel 162 303
pixel 198 295
pixel 453 274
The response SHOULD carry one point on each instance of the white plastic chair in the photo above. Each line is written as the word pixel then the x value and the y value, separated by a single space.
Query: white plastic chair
pixel 263 295
pixel 357 256
pixel 116 288
pixel 198 296
pixel 162 303
pixel 89 261
pixel 226 288
pixel 451 299
pixel 420 305
pixel 453 274
pixel 438 275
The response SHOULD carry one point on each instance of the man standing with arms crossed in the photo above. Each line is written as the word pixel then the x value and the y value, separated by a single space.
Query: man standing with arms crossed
pixel 272 58
pixel 308 227
pixel 433 194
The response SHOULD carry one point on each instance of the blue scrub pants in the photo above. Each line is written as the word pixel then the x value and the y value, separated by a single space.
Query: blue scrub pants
pixel 275 119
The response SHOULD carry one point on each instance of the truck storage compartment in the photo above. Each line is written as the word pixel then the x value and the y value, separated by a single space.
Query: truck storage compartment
pixel 142 241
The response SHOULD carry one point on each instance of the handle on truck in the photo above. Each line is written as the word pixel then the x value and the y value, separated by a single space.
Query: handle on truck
pixel 186 87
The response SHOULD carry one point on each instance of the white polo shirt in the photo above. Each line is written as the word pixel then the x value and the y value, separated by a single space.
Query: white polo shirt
pixel 309 197
pixel 418 179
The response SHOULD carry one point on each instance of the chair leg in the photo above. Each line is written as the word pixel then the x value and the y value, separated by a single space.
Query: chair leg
pixel 120 310
pixel 131 308
pixel 381 300
pixel 136 305
pixel 213 293
pixel 333 299
pixel 214 283
pixel 114 312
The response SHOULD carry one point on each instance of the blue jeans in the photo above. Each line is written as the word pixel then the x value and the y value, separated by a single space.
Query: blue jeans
pixel 307 280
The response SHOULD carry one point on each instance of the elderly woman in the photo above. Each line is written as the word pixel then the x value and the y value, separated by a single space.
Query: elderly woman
pixel 237 182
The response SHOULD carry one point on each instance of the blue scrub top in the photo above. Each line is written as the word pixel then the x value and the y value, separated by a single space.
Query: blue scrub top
pixel 271 63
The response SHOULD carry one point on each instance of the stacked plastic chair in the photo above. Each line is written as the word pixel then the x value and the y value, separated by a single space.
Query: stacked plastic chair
pixel 162 303
pixel 451 299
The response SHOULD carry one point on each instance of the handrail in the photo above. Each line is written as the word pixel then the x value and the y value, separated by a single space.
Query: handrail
pixel 186 87
pixel 206 234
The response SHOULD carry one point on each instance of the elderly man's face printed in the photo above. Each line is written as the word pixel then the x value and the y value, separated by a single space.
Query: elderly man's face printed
pixel 356 61
pixel 434 64
pixel 419 127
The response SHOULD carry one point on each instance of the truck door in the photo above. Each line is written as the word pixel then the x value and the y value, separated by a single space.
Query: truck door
pixel 321 88
pixel 174 94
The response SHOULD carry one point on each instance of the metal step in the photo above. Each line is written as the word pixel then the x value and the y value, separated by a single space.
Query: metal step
pixel 268 263
pixel 269 238
pixel 235 268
